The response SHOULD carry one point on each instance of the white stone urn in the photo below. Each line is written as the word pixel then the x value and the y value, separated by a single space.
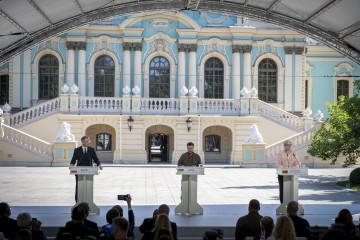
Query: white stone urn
pixel 126 90
pixel 307 113
pixel 193 91
pixel 318 116
pixel 6 108
pixel 136 90
pixel 253 92
pixel 245 92
pixel 183 91
pixel 65 88
pixel 74 89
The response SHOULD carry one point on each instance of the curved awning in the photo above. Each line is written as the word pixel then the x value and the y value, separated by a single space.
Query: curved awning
pixel 23 23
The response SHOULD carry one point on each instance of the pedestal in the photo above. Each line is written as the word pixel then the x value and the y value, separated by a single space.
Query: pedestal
pixel 64 103
pixel 254 155
pixel 244 106
pixel 74 103
pixel 136 104
pixel 126 104
pixel 193 101
pixel 63 152
pixel 184 105
pixel 254 108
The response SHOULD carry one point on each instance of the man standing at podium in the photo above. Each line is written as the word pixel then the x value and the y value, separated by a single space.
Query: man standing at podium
pixel 189 158
pixel 286 158
pixel 84 156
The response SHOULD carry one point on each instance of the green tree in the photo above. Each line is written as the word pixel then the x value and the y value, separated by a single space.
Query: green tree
pixel 339 135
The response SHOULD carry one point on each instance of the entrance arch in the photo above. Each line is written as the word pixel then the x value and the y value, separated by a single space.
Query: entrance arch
pixel 103 139
pixel 159 144
pixel 217 145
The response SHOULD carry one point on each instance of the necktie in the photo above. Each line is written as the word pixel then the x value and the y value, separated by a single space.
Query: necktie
pixel 85 150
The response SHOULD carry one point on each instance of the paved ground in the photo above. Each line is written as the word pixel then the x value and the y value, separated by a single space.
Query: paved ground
pixel 224 192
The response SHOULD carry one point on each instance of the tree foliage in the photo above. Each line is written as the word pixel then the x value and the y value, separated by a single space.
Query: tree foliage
pixel 340 134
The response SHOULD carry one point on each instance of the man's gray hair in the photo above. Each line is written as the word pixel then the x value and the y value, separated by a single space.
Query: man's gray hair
pixel 24 220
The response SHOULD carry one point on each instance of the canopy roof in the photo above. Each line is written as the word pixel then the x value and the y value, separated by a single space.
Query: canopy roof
pixel 335 23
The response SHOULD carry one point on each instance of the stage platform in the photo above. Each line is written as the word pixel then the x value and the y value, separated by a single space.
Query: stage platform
pixel 224 192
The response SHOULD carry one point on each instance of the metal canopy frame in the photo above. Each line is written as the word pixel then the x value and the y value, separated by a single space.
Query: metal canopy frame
pixel 330 39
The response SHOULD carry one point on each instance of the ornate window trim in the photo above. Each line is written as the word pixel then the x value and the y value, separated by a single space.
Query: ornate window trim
pixel 201 72
pixel 280 74
pixel 35 71
pixel 146 68
pixel 91 71
pixel 345 77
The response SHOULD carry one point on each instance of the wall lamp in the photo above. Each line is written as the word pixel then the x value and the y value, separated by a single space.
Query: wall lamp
pixel 130 123
pixel 189 123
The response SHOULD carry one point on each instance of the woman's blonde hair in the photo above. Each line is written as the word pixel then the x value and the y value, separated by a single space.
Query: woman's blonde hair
pixel 162 222
pixel 287 142
pixel 284 229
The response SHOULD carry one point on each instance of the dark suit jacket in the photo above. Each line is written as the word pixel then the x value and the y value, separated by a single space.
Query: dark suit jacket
pixel 88 223
pixel 84 159
pixel 8 227
pixel 248 226
pixel 301 226
pixel 77 229
pixel 148 225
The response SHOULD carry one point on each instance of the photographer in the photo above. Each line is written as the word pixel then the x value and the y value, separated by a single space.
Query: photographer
pixel 24 221
pixel 131 217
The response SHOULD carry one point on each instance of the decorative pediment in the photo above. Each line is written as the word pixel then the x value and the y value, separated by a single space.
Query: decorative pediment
pixel 159 42
pixel 268 46
pixel 104 43
pixel 214 45
pixel 55 46
pixel 346 66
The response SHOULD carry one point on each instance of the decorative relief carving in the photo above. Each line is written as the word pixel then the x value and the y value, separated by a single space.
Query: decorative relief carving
pixel 104 44
pixel 160 45
pixel 269 49
pixel 216 46
pixel 55 46
pixel 219 21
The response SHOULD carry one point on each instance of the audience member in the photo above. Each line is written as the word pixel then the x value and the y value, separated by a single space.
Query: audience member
pixel 302 226
pixel 249 225
pixel 344 220
pixel 8 226
pixel 2 237
pixel 284 229
pixel 131 216
pixel 120 226
pixel 110 215
pixel 336 234
pixel 149 223
pixel 266 226
pixel 23 234
pixel 163 233
pixel 162 222
pixel 78 228
pixel 24 221
pixel 90 224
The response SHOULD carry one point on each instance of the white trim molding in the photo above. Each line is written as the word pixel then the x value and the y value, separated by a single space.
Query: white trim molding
pixel 35 72
pixel 201 71
pixel 91 69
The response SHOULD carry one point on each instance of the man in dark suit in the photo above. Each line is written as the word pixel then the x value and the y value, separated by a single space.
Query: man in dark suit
pixel 8 226
pixel 84 156
pixel 302 226
pixel 78 228
pixel 90 224
pixel 149 223
pixel 249 225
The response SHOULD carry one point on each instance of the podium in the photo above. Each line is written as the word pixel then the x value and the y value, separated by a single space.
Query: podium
pixel 291 187
pixel 85 185
pixel 189 204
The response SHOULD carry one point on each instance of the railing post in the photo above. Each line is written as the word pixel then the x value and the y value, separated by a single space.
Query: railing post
pixel 193 105
pixel 135 103
pixel 64 103
pixel 6 117
pixel 244 106
pixel 184 105
pixel 254 106
pixel 126 104
pixel 308 123
pixel 74 103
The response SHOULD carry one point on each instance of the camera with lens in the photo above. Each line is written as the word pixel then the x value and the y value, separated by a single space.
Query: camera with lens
pixel 123 197
pixel 215 234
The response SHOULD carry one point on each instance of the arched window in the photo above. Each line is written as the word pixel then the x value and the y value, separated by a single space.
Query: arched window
pixel 267 81
pixel 214 78
pixel 104 85
pixel 159 78
pixel 212 143
pixel 48 77
pixel 4 89
pixel 103 142
pixel 342 88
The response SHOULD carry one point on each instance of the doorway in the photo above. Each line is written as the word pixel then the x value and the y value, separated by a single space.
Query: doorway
pixel 158 147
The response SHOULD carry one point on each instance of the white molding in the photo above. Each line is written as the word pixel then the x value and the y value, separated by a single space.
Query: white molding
pixel 146 69
pixel 35 71
pixel 347 66
pixel 280 74
pixel 91 69
pixel 226 73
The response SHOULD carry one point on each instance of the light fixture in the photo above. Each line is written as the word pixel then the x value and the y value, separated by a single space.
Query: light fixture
pixel 189 123
pixel 130 123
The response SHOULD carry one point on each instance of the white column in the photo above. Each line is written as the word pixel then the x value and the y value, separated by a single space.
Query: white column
pixel 127 64
pixel 288 79
pixel 299 82
pixel 247 66
pixel 192 66
pixel 236 72
pixel 70 63
pixel 137 65
pixel 82 68
pixel 181 67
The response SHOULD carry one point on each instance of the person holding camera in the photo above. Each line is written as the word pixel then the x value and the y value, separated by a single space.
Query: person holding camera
pixel 190 158
pixel 24 221
pixel 84 156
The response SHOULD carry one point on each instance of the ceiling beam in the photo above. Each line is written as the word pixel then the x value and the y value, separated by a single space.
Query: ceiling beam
pixel 39 11
pixel 13 22
pixel 78 4
pixel 354 32
pixel 322 10
pixel 246 2
pixel 273 5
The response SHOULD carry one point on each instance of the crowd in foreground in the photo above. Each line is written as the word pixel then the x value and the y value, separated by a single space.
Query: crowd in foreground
pixel 159 227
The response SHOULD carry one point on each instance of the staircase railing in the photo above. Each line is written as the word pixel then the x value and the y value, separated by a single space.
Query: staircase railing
pixel 280 116
pixel 34 113
pixel 28 142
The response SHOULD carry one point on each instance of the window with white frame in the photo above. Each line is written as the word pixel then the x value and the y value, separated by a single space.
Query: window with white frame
pixel 214 78
pixel 267 81
pixel 48 77
pixel 342 88
pixel 104 85
pixel 159 78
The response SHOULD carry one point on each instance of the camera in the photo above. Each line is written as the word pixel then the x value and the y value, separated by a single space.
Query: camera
pixel 34 219
pixel 123 197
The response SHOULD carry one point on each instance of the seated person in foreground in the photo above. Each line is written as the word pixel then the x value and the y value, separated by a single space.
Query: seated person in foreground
pixel 24 221
pixel 249 225
pixel 88 223
pixel 267 226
